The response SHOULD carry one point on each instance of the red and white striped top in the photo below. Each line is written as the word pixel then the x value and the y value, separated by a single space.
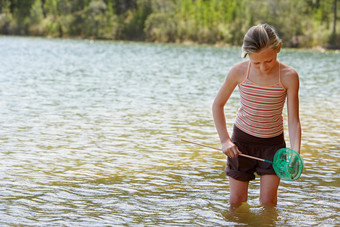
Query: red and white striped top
pixel 260 113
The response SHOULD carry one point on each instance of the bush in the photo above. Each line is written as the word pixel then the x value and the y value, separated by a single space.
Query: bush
pixel 160 27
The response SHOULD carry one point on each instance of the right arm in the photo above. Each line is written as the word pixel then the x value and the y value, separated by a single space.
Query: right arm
pixel 231 81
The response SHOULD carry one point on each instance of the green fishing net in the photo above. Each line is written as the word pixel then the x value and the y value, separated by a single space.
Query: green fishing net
pixel 288 164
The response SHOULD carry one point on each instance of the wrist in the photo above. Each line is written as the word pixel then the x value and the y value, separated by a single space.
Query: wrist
pixel 297 149
pixel 226 144
pixel 225 141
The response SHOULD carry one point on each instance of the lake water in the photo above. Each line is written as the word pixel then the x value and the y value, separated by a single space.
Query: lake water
pixel 90 136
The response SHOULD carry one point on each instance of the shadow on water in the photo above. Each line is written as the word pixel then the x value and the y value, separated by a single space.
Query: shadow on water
pixel 246 214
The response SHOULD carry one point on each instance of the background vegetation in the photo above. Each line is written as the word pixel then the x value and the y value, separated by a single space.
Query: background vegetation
pixel 301 23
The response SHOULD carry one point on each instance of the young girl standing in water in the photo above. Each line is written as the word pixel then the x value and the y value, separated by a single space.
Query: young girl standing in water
pixel 264 84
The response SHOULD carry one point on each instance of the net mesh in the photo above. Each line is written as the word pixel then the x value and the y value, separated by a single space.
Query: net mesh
pixel 288 164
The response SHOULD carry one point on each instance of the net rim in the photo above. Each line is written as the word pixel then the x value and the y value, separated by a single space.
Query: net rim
pixel 300 162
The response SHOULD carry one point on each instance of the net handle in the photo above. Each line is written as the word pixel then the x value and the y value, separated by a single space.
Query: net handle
pixel 215 148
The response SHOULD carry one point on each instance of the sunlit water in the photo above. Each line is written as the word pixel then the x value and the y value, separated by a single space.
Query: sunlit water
pixel 90 130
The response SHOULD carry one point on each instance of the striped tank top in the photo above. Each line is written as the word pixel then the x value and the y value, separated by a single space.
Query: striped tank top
pixel 260 113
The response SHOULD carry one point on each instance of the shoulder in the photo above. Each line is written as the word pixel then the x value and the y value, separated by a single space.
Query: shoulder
pixel 238 72
pixel 235 76
pixel 289 77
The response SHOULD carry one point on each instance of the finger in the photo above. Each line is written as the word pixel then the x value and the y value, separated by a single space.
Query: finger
pixel 227 153
pixel 238 152
pixel 235 151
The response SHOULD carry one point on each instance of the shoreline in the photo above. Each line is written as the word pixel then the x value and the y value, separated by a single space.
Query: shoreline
pixel 184 43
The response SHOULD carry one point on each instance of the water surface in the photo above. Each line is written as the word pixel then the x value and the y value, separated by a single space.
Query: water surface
pixel 90 135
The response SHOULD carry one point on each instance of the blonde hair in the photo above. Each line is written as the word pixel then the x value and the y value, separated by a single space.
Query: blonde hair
pixel 259 37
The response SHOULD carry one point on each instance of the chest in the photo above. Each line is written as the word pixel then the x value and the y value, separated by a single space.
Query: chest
pixel 264 79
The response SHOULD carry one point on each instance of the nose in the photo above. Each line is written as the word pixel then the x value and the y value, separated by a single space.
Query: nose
pixel 263 67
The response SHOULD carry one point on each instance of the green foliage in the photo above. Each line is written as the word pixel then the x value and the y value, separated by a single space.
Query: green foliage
pixel 303 23
pixel 134 21
pixel 36 17
pixel 100 22
pixel 158 28
pixel 5 17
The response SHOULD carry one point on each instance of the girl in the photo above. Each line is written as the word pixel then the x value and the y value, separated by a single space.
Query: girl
pixel 264 83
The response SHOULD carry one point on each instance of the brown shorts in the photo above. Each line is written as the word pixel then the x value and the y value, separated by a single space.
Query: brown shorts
pixel 242 168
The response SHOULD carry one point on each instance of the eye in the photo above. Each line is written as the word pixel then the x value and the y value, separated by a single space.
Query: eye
pixel 269 61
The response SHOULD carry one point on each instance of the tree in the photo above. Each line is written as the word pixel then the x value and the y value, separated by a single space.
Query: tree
pixel 333 40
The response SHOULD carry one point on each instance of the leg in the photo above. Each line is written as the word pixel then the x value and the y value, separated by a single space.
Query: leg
pixel 238 191
pixel 268 189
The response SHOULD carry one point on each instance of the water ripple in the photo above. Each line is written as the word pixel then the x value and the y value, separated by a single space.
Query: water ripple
pixel 90 136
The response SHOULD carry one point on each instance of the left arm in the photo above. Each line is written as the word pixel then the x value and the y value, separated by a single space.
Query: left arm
pixel 294 128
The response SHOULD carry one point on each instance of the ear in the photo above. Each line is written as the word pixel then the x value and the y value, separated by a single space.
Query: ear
pixel 279 48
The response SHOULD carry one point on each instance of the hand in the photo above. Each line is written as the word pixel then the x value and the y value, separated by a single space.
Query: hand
pixel 230 149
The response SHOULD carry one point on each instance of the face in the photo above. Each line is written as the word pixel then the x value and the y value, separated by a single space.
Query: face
pixel 264 60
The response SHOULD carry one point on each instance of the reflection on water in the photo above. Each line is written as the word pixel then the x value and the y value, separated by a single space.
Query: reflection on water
pixel 256 216
pixel 90 136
